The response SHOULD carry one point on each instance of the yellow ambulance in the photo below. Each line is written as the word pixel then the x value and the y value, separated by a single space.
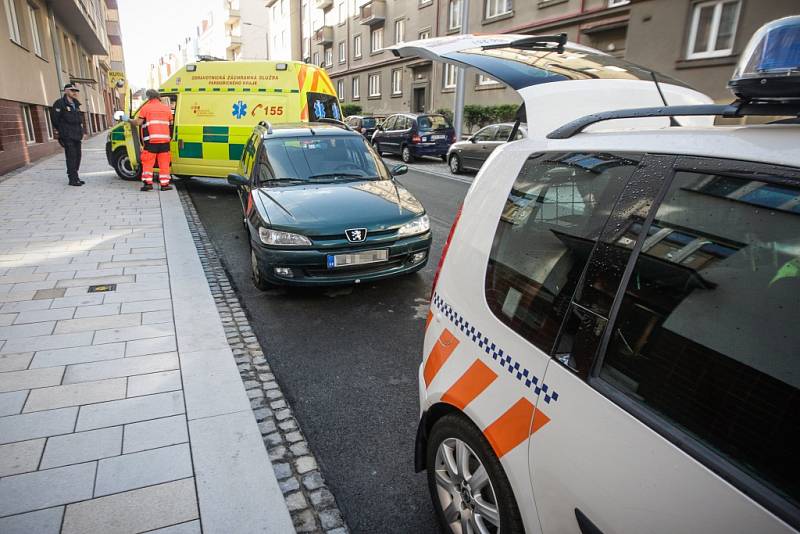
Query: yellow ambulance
pixel 216 105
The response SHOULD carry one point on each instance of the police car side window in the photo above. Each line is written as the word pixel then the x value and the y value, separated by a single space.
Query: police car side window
pixel 707 336
pixel 555 211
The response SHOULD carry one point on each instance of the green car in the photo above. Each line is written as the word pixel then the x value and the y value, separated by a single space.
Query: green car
pixel 321 208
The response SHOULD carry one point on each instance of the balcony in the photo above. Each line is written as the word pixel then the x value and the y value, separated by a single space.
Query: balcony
pixel 323 4
pixel 234 38
pixel 373 13
pixel 323 36
pixel 232 15
pixel 269 3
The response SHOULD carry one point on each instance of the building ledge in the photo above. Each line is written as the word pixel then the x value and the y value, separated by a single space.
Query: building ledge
pixel 706 62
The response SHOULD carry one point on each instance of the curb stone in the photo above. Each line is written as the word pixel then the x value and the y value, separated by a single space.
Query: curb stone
pixel 311 505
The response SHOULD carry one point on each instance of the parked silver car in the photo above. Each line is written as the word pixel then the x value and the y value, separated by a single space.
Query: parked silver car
pixel 469 155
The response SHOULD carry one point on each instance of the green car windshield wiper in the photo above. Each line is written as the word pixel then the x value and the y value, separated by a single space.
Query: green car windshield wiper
pixel 284 181
pixel 334 175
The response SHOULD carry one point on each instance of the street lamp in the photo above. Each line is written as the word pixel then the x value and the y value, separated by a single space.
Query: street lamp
pixel 266 36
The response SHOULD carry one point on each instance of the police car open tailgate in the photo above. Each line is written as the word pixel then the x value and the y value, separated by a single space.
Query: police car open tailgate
pixel 589 80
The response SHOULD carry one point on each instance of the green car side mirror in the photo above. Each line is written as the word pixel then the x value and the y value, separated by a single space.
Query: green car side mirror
pixel 399 170
pixel 237 179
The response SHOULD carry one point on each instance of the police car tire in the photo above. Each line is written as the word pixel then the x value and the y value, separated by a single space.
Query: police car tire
pixel 456 425
pixel 119 156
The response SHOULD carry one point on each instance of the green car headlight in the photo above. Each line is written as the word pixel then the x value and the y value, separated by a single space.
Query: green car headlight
pixel 420 225
pixel 278 238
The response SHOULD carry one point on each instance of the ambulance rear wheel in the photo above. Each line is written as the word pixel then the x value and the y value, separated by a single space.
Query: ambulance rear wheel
pixel 469 489
pixel 123 167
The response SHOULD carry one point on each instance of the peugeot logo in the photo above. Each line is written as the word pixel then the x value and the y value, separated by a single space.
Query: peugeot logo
pixel 356 235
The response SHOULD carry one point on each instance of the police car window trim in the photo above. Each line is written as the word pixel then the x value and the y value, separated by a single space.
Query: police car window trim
pixel 724 466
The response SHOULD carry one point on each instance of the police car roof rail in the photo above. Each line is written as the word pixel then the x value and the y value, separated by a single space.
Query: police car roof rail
pixel 737 109
pixel 335 122
pixel 553 43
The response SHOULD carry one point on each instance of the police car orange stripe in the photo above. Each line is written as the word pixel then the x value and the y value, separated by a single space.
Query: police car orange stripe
pixel 471 384
pixel 441 351
pixel 428 319
pixel 514 426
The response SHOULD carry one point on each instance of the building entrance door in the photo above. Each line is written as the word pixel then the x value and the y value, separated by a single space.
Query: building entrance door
pixel 419 100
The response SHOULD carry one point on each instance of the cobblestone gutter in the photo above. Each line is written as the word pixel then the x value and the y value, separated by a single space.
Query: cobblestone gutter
pixel 311 505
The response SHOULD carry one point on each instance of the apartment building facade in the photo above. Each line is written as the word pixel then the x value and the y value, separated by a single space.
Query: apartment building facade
pixel 48 44
pixel 696 41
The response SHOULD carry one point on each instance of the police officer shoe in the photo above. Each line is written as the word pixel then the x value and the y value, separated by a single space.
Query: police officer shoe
pixel 147 187
pixel 77 184
pixel 166 187
pixel 81 182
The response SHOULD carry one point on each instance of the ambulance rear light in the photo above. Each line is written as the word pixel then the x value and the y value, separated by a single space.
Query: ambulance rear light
pixel 281 66
pixel 445 248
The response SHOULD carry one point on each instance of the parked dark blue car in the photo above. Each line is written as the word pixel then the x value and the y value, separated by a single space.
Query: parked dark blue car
pixel 412 135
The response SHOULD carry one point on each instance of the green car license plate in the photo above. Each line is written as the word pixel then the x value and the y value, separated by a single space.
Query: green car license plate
pixel 357 258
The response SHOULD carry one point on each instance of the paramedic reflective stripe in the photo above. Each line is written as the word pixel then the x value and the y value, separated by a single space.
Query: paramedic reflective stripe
pixel 149 123
pixel 156 136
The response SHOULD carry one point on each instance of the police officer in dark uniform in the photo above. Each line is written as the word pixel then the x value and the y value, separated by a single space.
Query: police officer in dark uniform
pixel 68 122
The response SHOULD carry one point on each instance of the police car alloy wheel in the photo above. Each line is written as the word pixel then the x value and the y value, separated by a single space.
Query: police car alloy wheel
pixel 470 492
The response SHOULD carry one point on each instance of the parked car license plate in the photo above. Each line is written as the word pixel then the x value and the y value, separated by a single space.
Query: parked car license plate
pixel 437 137
pixel 358 258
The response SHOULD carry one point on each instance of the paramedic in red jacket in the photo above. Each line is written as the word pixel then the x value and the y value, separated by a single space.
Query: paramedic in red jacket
pixel 155 118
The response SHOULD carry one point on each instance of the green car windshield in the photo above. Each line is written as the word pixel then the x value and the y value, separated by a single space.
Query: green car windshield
pixel 321 159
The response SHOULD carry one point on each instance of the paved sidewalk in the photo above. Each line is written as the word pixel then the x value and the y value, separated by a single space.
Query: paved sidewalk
pixel 120 411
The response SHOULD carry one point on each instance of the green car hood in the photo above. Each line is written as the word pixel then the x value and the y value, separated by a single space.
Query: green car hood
pixel 329 209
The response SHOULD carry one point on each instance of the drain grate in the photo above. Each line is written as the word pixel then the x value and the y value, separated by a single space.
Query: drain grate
pixel 102 288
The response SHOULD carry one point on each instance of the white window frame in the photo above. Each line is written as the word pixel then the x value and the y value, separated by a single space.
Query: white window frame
pixel 376 35
pixel 357 52
pixel 356 87
pixel 454 14
pixel 485 81
pixel 494 7
pixel 48 121
pixel 329 56
pixel 27 121
pixel 399 31
pixel 340 89
pixel 714 31
pixel 397 82
pixel 35 35
pixel 342 12
pixel 13 21
pixel 315 59
pixel 342 51
pixel 449 76
pixel 377 85
pixel 616 3
pixel 424 34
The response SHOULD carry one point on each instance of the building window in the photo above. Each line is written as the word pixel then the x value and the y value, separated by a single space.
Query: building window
pixel 356 87
pixel 35 35
pixel 342 13
pixel 713 29
pixel 454 15
pixel 485 80
pixel 13 23
pixel 374 85
pixel 399 31
pixel 340 89
pixel 495 8
pixel 376 41
pixel 449 76
pixel 27 119
pixel 329 56
pixel 316 59
pixel 615 3
pixel 397 82
pixel 342 52
pixel 425 34
pixel 357 46
pixel 49 123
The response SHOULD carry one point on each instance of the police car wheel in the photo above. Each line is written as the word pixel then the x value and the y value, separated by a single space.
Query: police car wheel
pixel 122 165
pixel 469 489
pixel 455 164
pixel 406 154
pixel 255 271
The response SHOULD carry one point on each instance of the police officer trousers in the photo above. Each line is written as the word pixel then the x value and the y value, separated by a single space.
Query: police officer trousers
pixel 72 150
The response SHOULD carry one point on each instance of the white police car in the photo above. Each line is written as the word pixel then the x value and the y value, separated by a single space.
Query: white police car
pixel 613 343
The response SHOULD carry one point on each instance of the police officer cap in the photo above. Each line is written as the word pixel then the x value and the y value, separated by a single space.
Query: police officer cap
pixel 71 86
pixel 151 94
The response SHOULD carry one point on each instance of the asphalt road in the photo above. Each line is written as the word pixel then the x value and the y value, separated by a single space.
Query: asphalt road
pixel 347 360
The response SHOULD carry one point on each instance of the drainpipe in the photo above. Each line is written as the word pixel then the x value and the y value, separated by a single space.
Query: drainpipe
pixel 51 20
pixel 458 112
